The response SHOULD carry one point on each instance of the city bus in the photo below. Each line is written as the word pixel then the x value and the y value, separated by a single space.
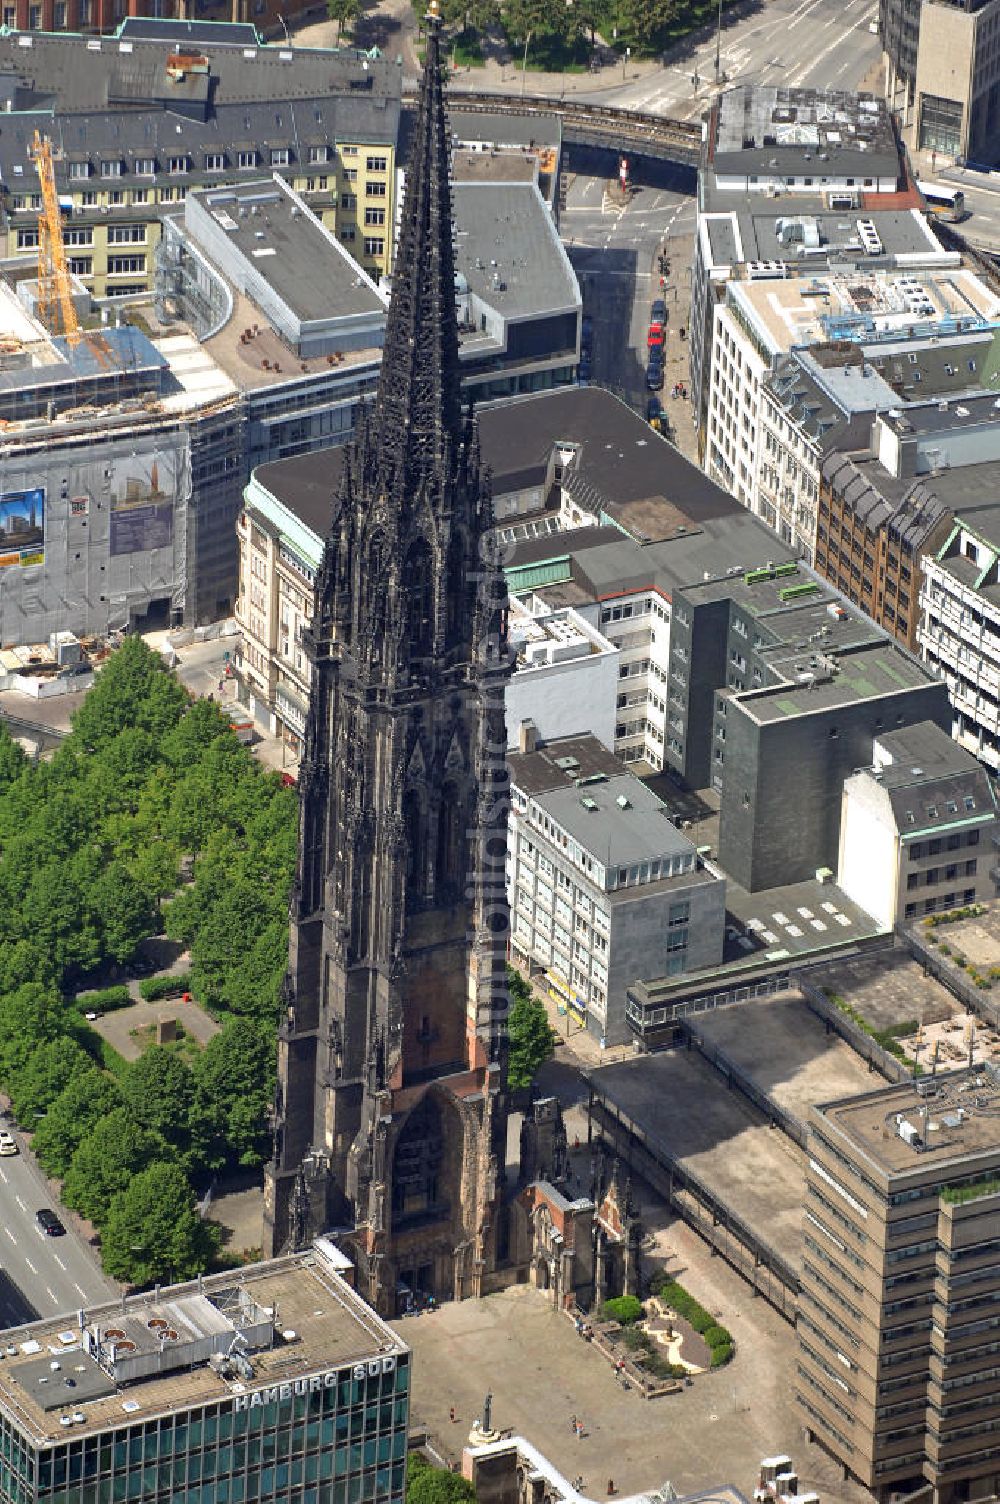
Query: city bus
pixel 943 201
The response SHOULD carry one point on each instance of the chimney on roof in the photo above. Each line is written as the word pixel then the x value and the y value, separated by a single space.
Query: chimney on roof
pixel 527 736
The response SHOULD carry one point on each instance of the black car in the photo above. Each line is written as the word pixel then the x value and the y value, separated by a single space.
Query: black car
pixel 658 312
pixel 654 376
pixel 654 409
pixel 49 1223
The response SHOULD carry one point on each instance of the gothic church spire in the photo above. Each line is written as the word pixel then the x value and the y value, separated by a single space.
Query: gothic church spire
pixel 417 421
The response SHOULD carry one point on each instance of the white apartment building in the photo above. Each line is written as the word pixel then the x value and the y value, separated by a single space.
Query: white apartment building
pixel 917 828
pixel 959 631
pixel 566 679
pixel 637 623
pixel 769 460
pixel 603 889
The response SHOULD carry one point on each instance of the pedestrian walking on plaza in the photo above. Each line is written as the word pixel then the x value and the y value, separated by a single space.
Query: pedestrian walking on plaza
pixel 572 1422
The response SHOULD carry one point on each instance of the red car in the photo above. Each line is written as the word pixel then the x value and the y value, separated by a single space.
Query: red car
pixel 657 336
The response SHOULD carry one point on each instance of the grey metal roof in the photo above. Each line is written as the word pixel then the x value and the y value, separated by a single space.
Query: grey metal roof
pixel 618 835
pixel 108 98
pixel 505 128
pixel 508 249
pixel 901 231
pixel 308 269
pixel 208 33
pixel 877 498
pixel 932 782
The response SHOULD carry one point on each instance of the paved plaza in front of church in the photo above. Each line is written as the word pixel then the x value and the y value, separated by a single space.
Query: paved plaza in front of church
pixel 541 1374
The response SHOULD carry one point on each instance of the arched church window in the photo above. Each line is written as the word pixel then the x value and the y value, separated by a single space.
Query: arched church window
pixel 418 582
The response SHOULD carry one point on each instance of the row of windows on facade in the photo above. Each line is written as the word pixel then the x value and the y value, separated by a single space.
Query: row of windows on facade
pixel 220 161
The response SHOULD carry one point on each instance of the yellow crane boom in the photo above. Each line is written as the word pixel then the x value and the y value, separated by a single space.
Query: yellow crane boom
pixel 55 298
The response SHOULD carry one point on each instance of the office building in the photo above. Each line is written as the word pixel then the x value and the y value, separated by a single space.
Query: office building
pixel 896 1374
pixel 917 828
pixel 760 319
pixel 274 1383
pixel 142 119
pixel 959 631
pixel 603 887
pixel 943 73
pixel 772 157
pixel 874 528
pixel 819 402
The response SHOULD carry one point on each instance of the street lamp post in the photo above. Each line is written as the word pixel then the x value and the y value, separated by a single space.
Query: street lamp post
pixel 718 45
pixel 524 64
pixel 628 54
pixel 284 27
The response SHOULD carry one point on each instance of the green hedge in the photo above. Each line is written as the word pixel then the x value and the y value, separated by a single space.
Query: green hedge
pixel 624 1308
pixel 718 1340
pixel 154 988
pixel 105 1000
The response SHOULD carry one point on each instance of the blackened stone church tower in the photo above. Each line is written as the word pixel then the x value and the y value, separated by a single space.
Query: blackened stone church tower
pixel 390 1118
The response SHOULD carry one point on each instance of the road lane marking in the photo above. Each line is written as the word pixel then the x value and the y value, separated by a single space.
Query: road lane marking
pixel 51 1294
pixel 20 1203
pixel 30 1265
pixel 10 1235
pixel 3 1176
pixel 80 1288
pixel 59 1261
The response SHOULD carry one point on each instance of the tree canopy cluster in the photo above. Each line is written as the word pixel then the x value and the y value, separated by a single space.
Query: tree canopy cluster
pixel 95 850
pixel 551 30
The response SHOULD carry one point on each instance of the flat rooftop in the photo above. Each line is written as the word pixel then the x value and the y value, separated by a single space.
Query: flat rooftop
pixel 786 1050
pixel 680 1106
pixel 807 309
pixel 747 233
pixel 277 239
pixel 558 764
pixel 876 668
pixel 962 1123
pixel 56 1360
pixel 619 820
pixel 508 249
pixel 760 129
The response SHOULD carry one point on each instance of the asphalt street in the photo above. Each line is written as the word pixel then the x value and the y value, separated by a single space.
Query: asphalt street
pixel 613 248
pixel 823 44
pixel 39 1275
pixel 981 225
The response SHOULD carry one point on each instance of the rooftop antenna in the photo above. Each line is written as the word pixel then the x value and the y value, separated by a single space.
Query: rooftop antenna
pixel 918 1045
pixel 970 1037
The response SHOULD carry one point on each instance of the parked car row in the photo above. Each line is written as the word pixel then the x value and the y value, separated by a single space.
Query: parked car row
pixel 656 346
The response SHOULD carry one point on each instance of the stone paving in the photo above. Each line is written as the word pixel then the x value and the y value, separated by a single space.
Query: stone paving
pixel 889 990
pixel 541 1374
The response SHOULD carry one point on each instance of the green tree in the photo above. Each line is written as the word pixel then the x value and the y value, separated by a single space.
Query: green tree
pixel 133 689
pixel 47 1071
pixel 235 1074
pixel 30 1016
pixel 643 24
pixel 537 21
pixel 126 913
pixel 153 1231
pixel 435 1485
pixel 344 12
pixel 82 1101
pixel 161 1091
pixel 531 1040
pixel 12 759
pixel 114 1151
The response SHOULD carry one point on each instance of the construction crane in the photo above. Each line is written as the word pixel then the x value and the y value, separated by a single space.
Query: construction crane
pixel 55 297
